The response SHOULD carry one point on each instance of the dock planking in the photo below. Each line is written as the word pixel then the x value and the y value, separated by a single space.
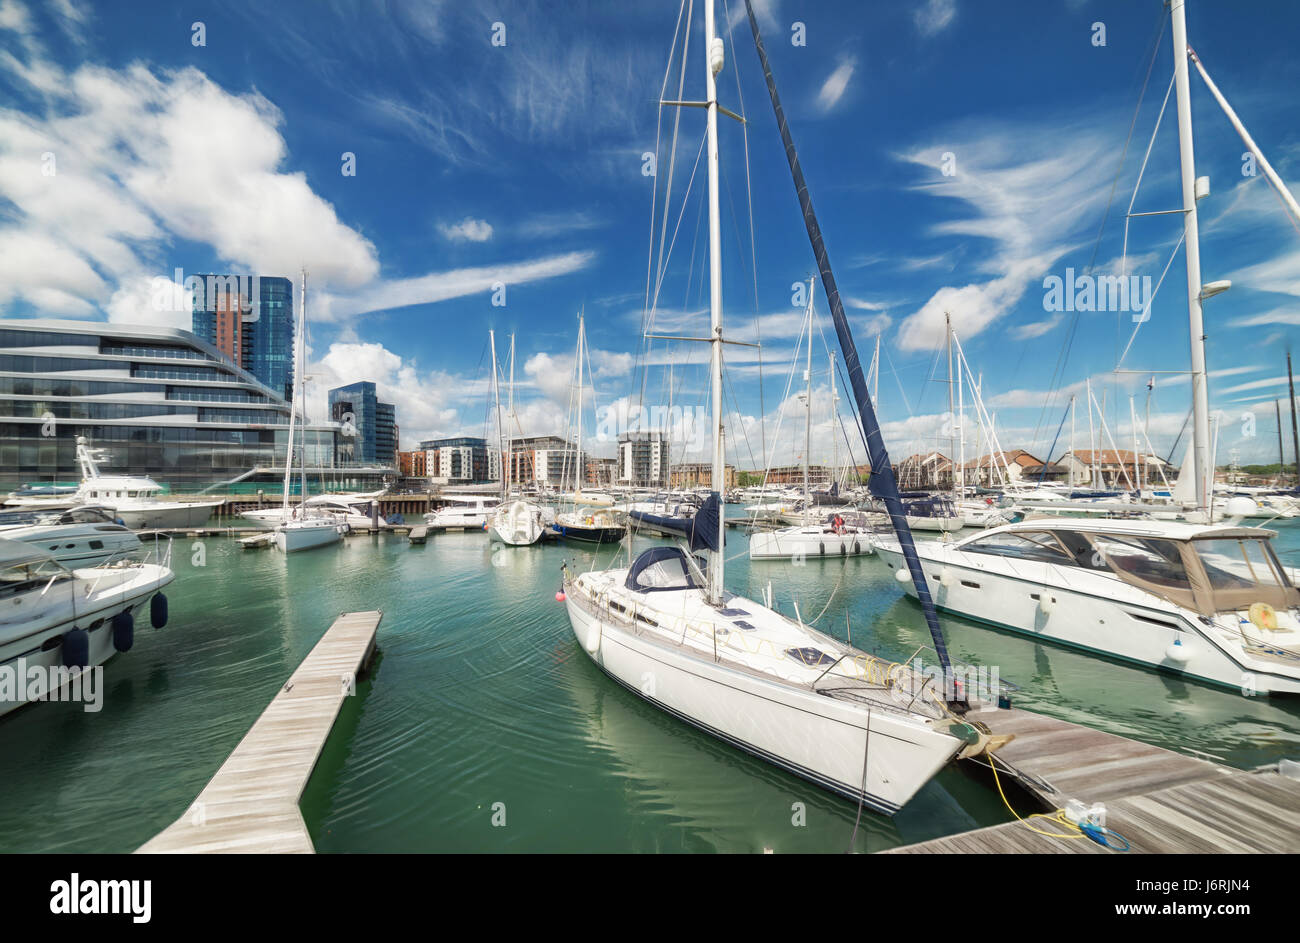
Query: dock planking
pixel 1160 801
pixel 251 804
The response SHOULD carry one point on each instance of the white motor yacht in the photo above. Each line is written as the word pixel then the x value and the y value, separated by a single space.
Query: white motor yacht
pixel 468 511
pixel 78 536
pixel 53 618
pixel 1209 602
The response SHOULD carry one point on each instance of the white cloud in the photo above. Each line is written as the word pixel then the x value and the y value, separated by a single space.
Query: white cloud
pixel 836 83
pixel 935 16
pixel 1277 316
pixel 1036 328
pixel 467 230
pixel 1280 274
pixel 158 301
pixel 457 283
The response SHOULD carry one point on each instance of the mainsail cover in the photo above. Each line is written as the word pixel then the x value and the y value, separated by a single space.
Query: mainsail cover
pixel 881 481
pixel 701 531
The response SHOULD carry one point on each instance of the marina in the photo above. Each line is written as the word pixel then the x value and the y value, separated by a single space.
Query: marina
pixel 447 513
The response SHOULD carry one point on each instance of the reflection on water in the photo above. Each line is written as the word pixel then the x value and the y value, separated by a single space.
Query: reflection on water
pixel 481 705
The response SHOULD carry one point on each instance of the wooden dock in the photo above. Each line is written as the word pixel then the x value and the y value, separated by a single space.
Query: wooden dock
pixel 419 534
pixel 251 804
pixel 1160 801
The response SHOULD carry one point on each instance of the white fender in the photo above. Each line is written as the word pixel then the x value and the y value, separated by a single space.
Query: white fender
pixel 1046 603
pixel 903 574
pixel 1178 652
pixel 946 578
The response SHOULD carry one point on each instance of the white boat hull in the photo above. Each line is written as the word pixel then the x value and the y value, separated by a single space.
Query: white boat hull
pixel 292 538
pixel 1096 613
pixel 819 738
pixel 166 515
pixel 805 542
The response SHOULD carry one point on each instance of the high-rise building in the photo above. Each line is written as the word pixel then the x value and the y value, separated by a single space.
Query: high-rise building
pixel 369 430
pixel 643 459
pixel 544 460
pixel 249 318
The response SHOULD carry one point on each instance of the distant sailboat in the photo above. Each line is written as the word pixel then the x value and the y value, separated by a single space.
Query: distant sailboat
pixel 301 532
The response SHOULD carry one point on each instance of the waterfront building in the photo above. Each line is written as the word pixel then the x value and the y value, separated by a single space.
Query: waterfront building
pixel 250 319
pixel 369 426
pixel 601 472
pixel 700 475
pixel 412 464
pixel 819 476
pixel 152 401
pixel 643 459
pixel 461 460
pixel 544 460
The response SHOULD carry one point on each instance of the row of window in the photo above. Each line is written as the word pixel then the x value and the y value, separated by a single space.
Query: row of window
pixel 10 337
pixel 153 350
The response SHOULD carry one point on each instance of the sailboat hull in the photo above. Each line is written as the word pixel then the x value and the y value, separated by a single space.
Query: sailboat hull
pixel 293 537
pixel 807 542
pixel 813 736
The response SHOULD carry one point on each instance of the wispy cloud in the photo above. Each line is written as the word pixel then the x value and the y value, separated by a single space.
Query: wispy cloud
pixel 836 83
pixel 935 16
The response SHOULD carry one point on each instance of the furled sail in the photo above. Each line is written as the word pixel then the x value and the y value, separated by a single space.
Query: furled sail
pixel 881 481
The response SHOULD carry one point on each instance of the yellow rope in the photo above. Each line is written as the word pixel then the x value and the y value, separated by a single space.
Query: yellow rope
pixel 1058 816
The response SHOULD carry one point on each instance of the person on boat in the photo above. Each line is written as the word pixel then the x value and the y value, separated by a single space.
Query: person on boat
pixel 837 524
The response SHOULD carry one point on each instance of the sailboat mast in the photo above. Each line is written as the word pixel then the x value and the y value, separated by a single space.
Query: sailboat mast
pixel 510 415
pixel 1196 326
pixel 496 396
pixel 1295 437
pixel 835 425
pixel 712 66
pixel 579 472
pixel 807 402
pixel 302 388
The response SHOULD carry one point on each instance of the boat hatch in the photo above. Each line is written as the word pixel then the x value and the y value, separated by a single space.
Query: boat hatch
pixel 660 568
pixel 812 657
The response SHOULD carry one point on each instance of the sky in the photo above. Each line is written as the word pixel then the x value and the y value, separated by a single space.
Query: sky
pixel 444 169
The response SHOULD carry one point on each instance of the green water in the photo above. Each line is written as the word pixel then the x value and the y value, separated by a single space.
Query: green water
pixel 481 696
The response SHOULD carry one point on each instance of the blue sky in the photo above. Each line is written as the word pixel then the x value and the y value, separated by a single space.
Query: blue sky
pixel 522 164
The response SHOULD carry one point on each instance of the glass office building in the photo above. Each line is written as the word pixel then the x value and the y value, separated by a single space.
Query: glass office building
pixel 250 319
pixel 368 427
pixel 154 401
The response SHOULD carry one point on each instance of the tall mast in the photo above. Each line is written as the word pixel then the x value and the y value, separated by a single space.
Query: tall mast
pixel 835 425
pixel 1281 455
pixel 712 66
pixel 1295 438
pixel 510 414
pixel 1092 437
pixel 952 437
pixel 496 396
pixel 580 474
pixel 807 401
pixel 300 393
pixel 1196 326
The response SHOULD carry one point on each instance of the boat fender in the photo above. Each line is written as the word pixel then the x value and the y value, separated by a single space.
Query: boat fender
pixel 903 575
pixel 1046 604
pixel 76 648
pixel 856 549
pixel 1178 652
pixel 844 549
pixel 821 548
pixel 945 578
pixel 559 596
pixel 592 641
pixel 158 611
pixel 123 631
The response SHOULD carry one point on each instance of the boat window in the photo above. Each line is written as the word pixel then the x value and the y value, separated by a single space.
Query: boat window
pixel 1040 547
pixel 1243 564
pixel 1148 559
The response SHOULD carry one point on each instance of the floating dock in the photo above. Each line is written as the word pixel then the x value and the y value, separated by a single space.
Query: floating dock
pixel 419 534
pixel 1160 801
pixel 251 805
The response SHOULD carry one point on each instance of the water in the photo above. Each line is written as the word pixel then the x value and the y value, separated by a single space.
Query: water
pixel 481 696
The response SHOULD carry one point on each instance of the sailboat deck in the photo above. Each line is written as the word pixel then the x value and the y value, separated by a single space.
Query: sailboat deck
pixel 750 637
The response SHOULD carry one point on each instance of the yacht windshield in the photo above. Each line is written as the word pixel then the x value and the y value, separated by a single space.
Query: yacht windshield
pixel 1242 571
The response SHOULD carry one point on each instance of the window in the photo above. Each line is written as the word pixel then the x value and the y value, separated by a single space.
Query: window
pixel 1238 564
pixel 1038 546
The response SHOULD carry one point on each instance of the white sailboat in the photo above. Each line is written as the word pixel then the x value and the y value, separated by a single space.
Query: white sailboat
pixel 303 530
pixel 517 523
pixel 667 630
pixel 1203 600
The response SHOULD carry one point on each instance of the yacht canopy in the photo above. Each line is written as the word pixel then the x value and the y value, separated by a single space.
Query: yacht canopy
pixel 18 553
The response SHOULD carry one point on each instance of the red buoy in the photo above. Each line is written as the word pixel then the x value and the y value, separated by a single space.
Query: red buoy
pixel 559 597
